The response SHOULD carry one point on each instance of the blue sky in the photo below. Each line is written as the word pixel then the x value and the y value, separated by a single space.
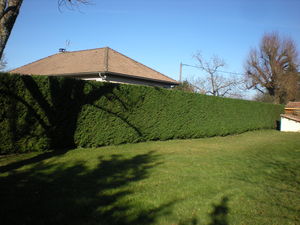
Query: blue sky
pixel 157 33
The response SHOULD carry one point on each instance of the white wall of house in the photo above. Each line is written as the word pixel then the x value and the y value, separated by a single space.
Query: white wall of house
pixel 94 79
pixel 289 125
pixel 124 80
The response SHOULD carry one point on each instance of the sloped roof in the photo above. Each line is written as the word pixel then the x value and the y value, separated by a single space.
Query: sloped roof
pixel 291 117
pixel 91 61
pixel 293 105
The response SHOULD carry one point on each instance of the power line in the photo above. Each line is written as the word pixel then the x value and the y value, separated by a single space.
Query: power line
pixel 221 71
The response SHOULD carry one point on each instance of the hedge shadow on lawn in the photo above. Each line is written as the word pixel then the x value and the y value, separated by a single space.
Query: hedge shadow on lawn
pixel 78 195
pixel 31 160
pixel 218 216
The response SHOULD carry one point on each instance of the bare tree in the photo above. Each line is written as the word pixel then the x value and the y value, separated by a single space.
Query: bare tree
pixel 263 97
pixel 273 68
pixel 71 4
pixel 298 91
pixel 9 11
pixel 3 63
pixel 214 83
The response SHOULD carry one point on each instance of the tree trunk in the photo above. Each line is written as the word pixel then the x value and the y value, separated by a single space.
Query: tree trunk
pixel 9 11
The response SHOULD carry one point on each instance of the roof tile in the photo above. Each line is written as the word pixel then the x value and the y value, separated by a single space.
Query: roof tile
pixel 293 105
pixel 90 61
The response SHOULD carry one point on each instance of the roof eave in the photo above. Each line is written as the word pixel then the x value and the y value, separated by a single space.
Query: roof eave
pixel 291 117
pixel 112 73
pixel 142 78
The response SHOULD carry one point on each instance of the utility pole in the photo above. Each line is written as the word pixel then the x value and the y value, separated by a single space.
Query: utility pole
pixel 180 73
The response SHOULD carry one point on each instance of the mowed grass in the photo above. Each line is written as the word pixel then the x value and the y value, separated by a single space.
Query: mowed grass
pixel 252 178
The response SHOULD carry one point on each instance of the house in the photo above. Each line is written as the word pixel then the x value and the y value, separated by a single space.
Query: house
pixel 100 64
pixel 290 120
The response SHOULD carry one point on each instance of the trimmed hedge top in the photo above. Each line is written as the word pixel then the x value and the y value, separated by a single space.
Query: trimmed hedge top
pixel 38 113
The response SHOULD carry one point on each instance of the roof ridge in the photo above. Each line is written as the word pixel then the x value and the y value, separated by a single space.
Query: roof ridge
pixel 83 50
pixel 141 64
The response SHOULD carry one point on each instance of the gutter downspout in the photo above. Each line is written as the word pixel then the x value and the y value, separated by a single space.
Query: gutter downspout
pixel 102 76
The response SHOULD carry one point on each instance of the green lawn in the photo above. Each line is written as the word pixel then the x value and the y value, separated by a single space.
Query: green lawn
pixel 252 178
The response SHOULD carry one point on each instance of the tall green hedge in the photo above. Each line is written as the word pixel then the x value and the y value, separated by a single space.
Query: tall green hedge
pixel 38 113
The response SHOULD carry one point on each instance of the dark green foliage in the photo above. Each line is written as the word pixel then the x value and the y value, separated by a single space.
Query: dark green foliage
pixel 38 113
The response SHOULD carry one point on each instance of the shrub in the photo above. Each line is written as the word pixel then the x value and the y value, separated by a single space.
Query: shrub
pixel 39 112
